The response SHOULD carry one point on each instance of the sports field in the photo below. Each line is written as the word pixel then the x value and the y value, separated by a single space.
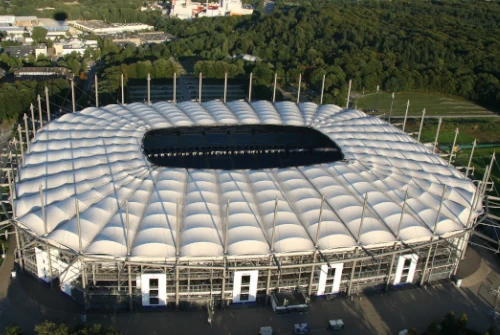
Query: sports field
pixel 434 104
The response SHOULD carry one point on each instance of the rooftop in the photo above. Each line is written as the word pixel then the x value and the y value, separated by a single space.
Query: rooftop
pixel 23 50
pixel 47 22
pixel 94 24
pixel 96 156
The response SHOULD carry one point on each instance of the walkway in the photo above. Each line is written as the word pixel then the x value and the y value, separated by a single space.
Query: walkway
pixel 183 88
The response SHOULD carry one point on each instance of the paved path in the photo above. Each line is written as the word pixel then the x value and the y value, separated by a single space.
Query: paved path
pixel 183 88
pixel 20 303
pixel 446 116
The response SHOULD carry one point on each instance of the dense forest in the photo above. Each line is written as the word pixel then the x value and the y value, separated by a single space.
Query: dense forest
pixel 451 47
pixel 15 98
pixel 447 47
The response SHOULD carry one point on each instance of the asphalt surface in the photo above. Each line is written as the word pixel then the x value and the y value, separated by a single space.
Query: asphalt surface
pixel 447 116
pixel 26 302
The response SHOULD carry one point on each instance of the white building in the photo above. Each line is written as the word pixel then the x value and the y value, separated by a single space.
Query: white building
pixel 189 10
pixel 13 33
pixel 100 27
pixel 74 45
pixel 26 21
pixel 11 19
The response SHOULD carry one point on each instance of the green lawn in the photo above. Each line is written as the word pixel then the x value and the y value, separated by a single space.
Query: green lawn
pixel 434 104
pixel 484 130
pixel 445 137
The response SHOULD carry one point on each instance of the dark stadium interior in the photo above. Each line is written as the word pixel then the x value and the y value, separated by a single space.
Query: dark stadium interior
pixel 239 147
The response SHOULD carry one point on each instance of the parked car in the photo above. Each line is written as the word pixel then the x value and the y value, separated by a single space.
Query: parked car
pixel 301 328
pixel 336 324
pixel 266 331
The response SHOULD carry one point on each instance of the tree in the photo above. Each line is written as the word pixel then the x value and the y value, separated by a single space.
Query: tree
pixel 50 328
pixel 39 34
pixel 12 330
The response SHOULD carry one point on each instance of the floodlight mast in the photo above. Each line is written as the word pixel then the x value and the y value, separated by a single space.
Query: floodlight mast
pixel 96 91
pixel 298 90
pixel 47 102
pixel 175 89
pixel 123 90
pixel 199 87
pixel 348 94
pixel 225 87
pixel 274 87
pixel 390 109
pixel 406 115
pixel 73 95
pixel 250 88
pixel 437 135
pixel 322 90
pixel 40 115
pixel 421 125
pixel 33 126
pixel 149 89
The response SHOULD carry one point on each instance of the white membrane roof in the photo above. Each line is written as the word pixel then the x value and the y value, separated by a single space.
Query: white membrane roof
pixel 95 156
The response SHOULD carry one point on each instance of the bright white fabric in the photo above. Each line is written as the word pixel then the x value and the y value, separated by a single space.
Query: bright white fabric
pixel 95 156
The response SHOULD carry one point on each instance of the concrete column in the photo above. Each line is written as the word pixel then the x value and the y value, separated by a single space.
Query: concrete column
pixel 390 270
pixel 177 297
pixel 311 278
pixel 268 283
pixel 18 249
pixel 223 288
pixel 349 289
pixel 129 287
pixel 49 256
pixel 422 280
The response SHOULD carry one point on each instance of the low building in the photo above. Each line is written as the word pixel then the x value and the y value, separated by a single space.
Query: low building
pixel 44 71
pixel 26 21
pixel 100 27
pixel 52 25
pixel 249 58
pixel 10 19
pixel 13 33
pixel 155 37
pixel 124 38
pixel 75 45
pixel 23 51
pixel 185 9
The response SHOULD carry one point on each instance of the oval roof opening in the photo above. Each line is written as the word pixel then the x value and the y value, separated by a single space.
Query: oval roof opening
pixel 238 147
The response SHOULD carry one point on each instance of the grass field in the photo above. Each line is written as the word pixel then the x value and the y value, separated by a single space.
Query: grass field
pixel 434 104
pixel 484 130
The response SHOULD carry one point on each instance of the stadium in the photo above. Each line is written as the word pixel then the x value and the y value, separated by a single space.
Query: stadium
pixel 166 204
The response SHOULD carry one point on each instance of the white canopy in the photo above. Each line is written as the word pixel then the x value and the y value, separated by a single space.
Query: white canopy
pixel 95 156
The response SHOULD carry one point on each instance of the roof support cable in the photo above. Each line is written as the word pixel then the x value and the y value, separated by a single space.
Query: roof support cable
pixel 291 203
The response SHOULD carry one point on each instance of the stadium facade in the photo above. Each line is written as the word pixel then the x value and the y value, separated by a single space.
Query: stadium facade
pixel 231 202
